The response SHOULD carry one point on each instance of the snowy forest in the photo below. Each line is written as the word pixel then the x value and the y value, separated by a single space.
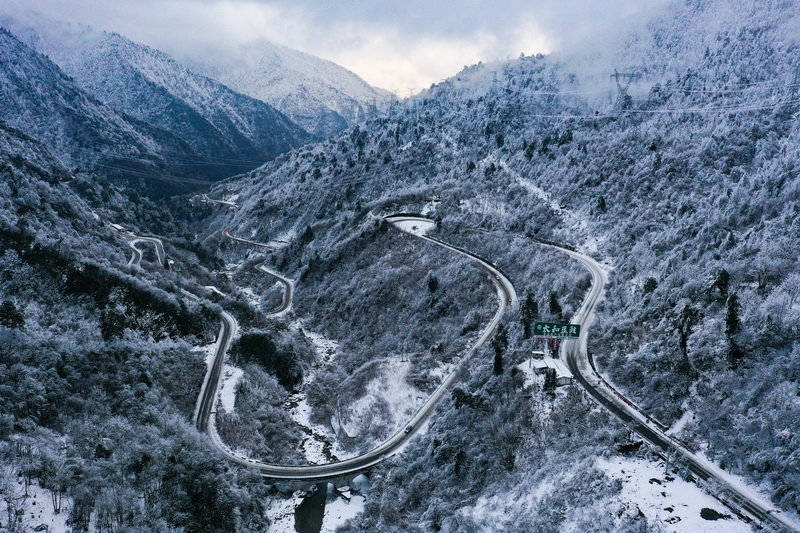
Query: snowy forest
pixel 668 153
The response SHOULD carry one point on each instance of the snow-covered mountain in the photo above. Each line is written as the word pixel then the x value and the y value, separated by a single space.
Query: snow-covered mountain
pixel 37 98
pixel 235 132
pixel 685 183
pixel 320 95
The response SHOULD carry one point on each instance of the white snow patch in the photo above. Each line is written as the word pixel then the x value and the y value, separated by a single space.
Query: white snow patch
pixel 207 352
pixel 430 207
pixel 37 506
pixel 252 298
pixel 313 444
pixel 212 288
pixel 283 240
pixel 575 222
pixel 484 205
pixel 738 482
pixel 281 513
pixel 340 510
pixel 675 503
pixel 326 348
pixel 389 388
pixel 416 227
pixel 679 424
pixel 231 376
pixel 526 367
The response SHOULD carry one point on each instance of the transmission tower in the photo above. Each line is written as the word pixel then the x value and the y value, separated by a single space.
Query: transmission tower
pixel 623 80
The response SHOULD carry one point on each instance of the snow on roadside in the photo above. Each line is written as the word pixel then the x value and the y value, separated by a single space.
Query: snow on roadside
pixel 340 510
pixel 679 424
pixel 674 503
pixel 207 352
pixel 231 376
pixel 416 227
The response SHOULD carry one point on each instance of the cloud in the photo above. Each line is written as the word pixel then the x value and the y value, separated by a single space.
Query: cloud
pixel 395 45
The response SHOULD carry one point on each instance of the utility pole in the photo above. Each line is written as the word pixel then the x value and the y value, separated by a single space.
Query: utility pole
pixel 623 80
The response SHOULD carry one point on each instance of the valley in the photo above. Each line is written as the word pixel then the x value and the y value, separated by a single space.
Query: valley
pixel 224 281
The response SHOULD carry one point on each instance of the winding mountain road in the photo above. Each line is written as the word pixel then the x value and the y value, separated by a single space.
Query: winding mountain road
pixel 732 492
pixel 136 258
pixel 353 465
pixel 576 355
pixel 287 284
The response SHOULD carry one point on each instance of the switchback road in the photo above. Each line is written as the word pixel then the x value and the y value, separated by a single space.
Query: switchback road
pixel 136 258
pixel 286 283
pixel 395 443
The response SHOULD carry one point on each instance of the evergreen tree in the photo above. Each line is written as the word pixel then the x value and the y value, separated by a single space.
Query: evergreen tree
pixel 112 322
pixel 732 322
pixel 721 280
pixel 10 316
pixel 433 283
pixel 498 363
pixel 555 307
pixel 550 382
pixel 528 313
pixel 499 343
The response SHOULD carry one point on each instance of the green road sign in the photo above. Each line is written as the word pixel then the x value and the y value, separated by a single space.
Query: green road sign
pixel 559 331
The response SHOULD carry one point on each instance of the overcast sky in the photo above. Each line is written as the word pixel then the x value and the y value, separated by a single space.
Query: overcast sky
pixel 397 45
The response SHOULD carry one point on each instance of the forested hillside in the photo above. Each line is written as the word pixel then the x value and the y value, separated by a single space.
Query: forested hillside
pixel 685 183
pixel 98 373
pixel 670 155
pixel 234 132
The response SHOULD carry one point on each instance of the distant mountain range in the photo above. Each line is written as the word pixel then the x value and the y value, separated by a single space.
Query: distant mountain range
pixel 321 96
pixel 213 131
pixel 84 133
pixel 185 129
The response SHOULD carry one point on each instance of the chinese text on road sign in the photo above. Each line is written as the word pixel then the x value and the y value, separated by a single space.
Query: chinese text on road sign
pixel 561 331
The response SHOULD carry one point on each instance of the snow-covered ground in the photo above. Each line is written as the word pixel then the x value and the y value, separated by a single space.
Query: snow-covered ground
pixel 37 507
pixel 575 222
pixel 337 511
pixel 320 444
pixel 672 502
pixel 430 207
pixel 388 390
pixel 281 513
pixel 679 424
pixel 417 227
pixel 231 376
pixel 252 298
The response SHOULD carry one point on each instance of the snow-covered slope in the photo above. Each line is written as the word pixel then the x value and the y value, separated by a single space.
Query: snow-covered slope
pixel 236 132
pixel 688 185
pixel 37 98
pixel 321 96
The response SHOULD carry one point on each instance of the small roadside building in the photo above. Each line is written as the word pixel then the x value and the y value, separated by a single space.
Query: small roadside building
pixel 563 375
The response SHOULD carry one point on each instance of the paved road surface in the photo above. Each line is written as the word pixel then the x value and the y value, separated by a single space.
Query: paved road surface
pixel 391 446
pixel 576 356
